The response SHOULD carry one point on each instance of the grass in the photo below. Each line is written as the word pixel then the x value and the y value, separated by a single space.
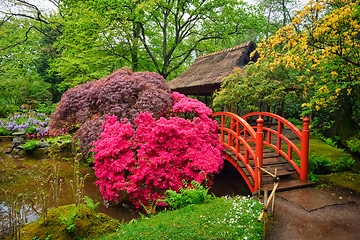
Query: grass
pixel 216 218
pixel 319 148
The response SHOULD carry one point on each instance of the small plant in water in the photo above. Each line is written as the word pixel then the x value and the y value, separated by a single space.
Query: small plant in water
pixel 49 186
pixel 15 214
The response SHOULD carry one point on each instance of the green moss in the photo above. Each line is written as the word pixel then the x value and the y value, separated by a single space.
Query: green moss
pixel 345 179
pixel 88 224
pixel 319 148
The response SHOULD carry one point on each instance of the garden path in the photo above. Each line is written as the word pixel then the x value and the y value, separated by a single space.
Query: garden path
pixel 310 213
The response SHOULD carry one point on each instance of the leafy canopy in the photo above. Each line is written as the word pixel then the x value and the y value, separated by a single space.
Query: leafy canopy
pixel 162 36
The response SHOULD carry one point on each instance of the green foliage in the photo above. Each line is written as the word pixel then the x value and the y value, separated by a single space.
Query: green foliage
pixel 259 84
pixel 159 36
pixel 86 53
pixel 344 164
pixel 19 82
pixel 319 164
pixel 6 108
pixel 46 108
pixel 216 218
pixel 91 203
pixel 323 165
pixel 354 145
pixel 193 194
pixel 69 219
pixel 31 145
pixel 5 132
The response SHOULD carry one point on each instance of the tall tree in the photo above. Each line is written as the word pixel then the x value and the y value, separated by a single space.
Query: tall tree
pixel 19 80
pixel 279 13
pixel 37 27
pixel 158 36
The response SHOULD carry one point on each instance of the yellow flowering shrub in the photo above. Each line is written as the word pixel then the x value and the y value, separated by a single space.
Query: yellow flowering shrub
pixel 322 48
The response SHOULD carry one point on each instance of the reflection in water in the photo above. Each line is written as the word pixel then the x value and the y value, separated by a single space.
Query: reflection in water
pixel 29 174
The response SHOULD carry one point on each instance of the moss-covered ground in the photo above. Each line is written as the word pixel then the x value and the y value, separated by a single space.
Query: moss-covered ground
pixel 346 180
pixel 350 179
pixel 87 224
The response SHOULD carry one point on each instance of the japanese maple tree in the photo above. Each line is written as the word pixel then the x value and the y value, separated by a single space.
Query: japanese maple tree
pixel 123 94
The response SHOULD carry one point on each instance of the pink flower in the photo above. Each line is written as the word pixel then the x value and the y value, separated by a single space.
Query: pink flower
pixel 154 155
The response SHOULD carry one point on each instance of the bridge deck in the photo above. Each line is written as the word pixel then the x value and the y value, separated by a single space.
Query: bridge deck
pixel 289 179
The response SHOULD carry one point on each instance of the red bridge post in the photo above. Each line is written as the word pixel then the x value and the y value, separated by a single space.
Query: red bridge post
pixel 304 150
pixel 259 145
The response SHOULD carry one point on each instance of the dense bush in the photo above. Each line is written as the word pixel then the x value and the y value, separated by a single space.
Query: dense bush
pixel 148 157
pixel 122 94
pixel 354 145
pixel 186 195
pixel 323 165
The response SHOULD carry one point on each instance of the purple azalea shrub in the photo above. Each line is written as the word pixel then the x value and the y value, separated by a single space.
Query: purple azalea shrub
pixel 152 155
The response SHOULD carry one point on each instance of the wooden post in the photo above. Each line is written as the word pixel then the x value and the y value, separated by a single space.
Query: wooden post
pixel 304 150
pixel 259 145
pixel 273 201
pixel 265 196
pixel 265 209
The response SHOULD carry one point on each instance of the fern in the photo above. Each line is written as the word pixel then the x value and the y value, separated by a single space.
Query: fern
pixel 69 220
pixel 91 203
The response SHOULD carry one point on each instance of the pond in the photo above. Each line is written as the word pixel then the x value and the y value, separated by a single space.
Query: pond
pixel 31 183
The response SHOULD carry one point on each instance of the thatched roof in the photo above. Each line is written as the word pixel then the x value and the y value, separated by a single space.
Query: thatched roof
pixel 207 72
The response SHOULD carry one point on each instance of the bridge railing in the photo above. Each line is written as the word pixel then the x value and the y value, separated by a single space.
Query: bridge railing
pixel 275 139
pixel 237 135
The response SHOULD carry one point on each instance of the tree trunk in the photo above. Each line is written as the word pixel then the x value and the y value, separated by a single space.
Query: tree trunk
pixel 344 125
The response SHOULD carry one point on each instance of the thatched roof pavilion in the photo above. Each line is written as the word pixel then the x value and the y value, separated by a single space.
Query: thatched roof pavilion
pixel 204 76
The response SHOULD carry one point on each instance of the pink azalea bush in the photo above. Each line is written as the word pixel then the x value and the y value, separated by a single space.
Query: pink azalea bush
pixel 154 155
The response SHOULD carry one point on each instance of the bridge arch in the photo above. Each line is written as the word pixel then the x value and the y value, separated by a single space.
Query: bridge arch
pixel 245 143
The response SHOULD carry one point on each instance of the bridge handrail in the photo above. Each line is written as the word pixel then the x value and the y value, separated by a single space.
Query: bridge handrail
pixel 281 119
pixel 302 135
pixel 245 124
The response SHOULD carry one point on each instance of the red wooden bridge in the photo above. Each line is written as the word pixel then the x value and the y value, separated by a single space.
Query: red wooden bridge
pixel 252 143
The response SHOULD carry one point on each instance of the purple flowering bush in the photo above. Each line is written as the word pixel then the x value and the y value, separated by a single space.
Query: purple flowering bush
pixel 29 122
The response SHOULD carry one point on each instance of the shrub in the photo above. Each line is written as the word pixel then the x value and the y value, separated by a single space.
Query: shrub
pixel 151 156
pixel 323 165
pixel 122 94
pixel 354 145
pixel 31 145
pixel 193 194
